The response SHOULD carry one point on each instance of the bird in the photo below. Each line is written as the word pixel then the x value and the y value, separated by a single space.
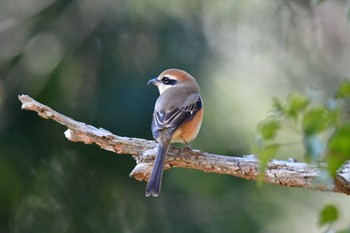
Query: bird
pixel 177 117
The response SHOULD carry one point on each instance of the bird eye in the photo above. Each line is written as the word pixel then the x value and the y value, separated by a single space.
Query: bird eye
pixel 166 80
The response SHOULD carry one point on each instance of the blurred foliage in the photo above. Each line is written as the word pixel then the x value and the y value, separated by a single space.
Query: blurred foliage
pixel 328 214
pixel 323 127
pixel 324 131
pixel 91 60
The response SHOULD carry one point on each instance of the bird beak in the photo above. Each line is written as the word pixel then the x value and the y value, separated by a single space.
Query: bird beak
pixel 153 81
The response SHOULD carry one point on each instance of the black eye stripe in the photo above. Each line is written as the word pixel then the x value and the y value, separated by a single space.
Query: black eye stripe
pixel 168 81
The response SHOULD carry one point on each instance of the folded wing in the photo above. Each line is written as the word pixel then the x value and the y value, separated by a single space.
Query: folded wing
pixel 175 117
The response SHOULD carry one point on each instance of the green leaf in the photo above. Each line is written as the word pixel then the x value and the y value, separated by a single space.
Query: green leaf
pixel 277 105
pixel 344 90
pixel 339 149
pixel 315 120
pixel 268 128
pixel 328 214
pixel 295 104
pixel 314 148
pixel 334 110
pixel 266 154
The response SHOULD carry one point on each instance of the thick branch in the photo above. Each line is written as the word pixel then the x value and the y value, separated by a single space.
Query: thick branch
pixel 285 173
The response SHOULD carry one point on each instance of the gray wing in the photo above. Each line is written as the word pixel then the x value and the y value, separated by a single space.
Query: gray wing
pixel 175 117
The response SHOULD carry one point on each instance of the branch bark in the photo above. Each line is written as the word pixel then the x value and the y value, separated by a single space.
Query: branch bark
pixel 286 173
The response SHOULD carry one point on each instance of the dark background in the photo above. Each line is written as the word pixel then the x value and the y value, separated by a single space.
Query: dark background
pixel 91 60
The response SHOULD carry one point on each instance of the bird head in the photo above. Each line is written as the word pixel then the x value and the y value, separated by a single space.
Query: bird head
pixel 173 78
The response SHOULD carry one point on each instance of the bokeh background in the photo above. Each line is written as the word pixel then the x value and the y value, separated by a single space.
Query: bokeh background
pixel 91 60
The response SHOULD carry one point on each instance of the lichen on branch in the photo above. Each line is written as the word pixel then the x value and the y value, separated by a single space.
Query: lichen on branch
pixel 286 173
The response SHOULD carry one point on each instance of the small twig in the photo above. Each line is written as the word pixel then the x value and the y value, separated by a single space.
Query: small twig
pixel 285 173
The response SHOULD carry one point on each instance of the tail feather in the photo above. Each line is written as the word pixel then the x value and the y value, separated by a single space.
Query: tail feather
pixel 155 180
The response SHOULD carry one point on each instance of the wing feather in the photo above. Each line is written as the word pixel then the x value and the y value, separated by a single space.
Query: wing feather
pixel 175 117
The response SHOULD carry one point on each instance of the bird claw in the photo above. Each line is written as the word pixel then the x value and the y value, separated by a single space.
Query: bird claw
pixel 187 147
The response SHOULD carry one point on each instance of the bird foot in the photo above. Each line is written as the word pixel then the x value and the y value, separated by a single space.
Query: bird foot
pixel 187 147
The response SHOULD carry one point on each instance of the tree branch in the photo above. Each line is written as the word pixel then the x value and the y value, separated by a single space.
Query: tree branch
pixel 285 173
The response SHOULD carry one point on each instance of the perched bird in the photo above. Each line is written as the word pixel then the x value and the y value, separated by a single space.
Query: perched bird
pixel 177 117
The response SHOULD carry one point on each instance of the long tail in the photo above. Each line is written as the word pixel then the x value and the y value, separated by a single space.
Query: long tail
pixel 155 181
